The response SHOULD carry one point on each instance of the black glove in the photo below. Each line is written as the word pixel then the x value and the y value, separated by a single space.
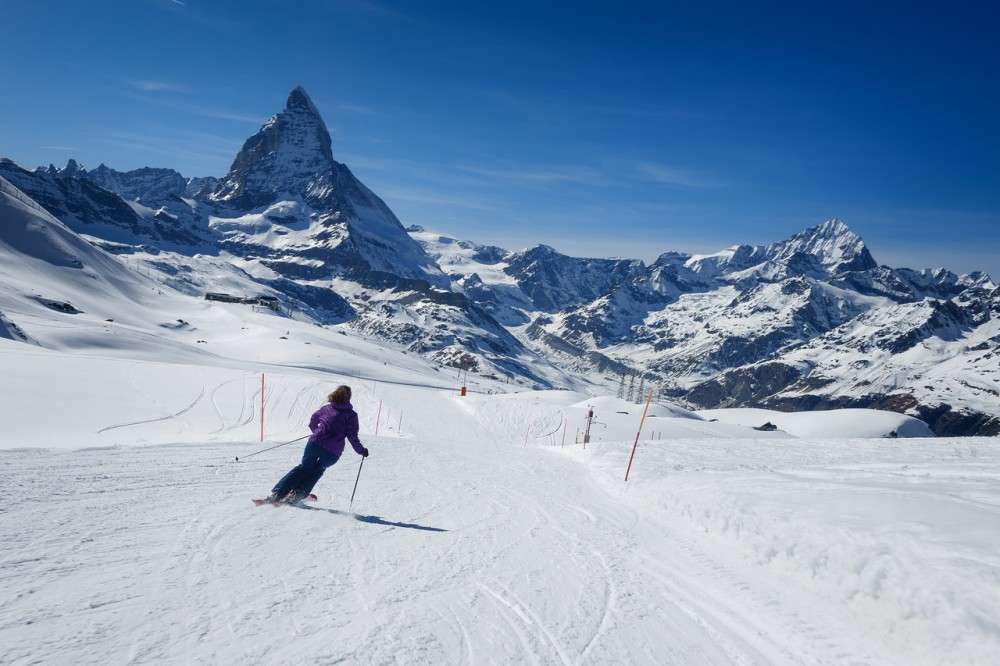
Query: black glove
pixel 364 452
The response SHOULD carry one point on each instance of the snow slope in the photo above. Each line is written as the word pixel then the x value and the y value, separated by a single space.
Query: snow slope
pixel 470 545
pixel 483 533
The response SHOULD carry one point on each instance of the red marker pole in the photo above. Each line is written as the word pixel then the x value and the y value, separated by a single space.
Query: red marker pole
pixel 262 406
pixel 649 398
pixel 378 417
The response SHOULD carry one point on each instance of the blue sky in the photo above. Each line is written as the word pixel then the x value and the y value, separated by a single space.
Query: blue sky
pixel 605 129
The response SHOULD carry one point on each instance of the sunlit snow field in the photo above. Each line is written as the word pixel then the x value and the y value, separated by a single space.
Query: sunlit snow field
pixel 480 534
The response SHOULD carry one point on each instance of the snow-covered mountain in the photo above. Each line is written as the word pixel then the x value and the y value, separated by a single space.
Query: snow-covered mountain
pixel 286 221
pixel 791 324
pixel 749 325
pixel 46 268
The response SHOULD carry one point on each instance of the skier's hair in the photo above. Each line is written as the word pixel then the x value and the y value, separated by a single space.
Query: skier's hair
pixel 341 396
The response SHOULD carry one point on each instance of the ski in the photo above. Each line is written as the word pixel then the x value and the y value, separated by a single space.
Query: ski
pixel 262 502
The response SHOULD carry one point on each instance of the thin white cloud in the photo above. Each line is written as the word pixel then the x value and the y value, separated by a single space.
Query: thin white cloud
pixel 582 175
pixel 146 85
pixel 59 148
pixel 434 198
pixel 662 174
pixel 195 108
pixel 179 2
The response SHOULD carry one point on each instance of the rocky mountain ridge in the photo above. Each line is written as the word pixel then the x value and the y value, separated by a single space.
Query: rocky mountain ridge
pixel 750 324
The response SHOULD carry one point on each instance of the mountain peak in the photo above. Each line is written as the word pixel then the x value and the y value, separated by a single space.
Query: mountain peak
pixel 73 168
pixel 291 154
pixel 835 244
pixel 299 99
pixel 834 227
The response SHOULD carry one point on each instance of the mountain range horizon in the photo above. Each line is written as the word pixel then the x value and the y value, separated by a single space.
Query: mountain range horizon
pixel 299 98
pixel 749 325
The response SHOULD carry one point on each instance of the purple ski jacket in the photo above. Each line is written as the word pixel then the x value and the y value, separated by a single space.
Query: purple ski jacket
pixel 331 423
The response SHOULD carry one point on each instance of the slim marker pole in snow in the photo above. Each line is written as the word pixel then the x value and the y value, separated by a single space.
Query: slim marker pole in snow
pixel 649 399
pixel 399 428
pixel 351 505
pixel 378 417
pixel 262 406
pixel 564 433
pixel 276 446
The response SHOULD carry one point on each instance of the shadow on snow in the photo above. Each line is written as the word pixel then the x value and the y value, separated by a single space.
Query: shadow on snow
pixel 372 520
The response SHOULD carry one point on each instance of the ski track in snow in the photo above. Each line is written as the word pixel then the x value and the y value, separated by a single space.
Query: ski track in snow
pixel 183 411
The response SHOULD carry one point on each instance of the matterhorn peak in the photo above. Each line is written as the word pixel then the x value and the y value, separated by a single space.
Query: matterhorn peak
pixel 291 154
pixel 299 99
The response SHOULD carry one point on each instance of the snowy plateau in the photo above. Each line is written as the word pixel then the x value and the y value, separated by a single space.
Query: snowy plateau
pixel 861 526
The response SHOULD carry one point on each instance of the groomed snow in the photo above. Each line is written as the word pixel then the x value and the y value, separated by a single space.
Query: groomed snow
pixel 474 543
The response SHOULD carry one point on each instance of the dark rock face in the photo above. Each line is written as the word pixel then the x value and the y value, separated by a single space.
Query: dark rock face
pixel 744 386
pixel 947 321
pixel 325 305
pixel 78 203
pixel 147 185
pixel 200 188
pixel 554 281
pixel 86 207
pixel 905 285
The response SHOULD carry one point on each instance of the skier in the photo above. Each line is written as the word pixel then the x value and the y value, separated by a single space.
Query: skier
pixel 330 425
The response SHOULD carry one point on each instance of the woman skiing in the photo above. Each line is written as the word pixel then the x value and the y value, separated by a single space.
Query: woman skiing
pixel 330 425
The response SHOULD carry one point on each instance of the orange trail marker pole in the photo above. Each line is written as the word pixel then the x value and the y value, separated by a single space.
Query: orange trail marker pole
pixel 262 406
pixel 649 399
pixel 378 417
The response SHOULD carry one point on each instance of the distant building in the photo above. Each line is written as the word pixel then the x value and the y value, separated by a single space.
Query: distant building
pixel 224 298
pixel 267 301
pixel 271 302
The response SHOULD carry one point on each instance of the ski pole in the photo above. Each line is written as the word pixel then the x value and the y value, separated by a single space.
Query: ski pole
pixel 356 484
pixel 272 447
